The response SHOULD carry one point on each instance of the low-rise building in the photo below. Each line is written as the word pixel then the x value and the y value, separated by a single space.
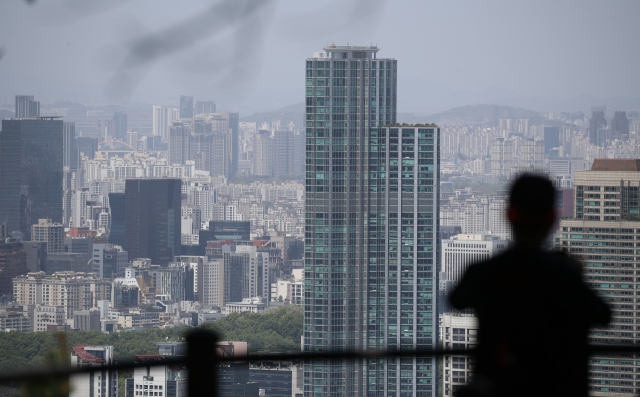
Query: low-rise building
pixel 101 383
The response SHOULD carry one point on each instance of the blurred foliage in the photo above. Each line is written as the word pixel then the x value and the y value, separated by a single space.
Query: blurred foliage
pixel 276 329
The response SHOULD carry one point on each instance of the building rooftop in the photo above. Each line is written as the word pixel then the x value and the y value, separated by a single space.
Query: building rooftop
pixel 85 356
pixel 334 47
pixel 615 165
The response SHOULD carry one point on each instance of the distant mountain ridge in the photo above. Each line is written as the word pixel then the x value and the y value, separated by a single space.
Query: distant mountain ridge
pixel 464 114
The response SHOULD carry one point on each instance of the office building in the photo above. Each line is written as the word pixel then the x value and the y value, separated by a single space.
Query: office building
pixel 26 107
pixel 109 261
pixel 71 290
pixel 373 280
pixel 13 263
pixel 120 126
pixel 14 321
pixel 45 316
pixel 48 232
pixel 274 377
pixel 205 107
pixel 228 124
pixel 457 331
pixel 87 145
pixel 602 236
pixel 162 118
pixel 596 123
pixel 463 250
pixel 282 152
pixel 101 383
pixel 86 320
pixel 36 255
pixel 157 380
pixel 179 142
pixel 263 156
pixel 31 157
pixel 186 107
pixel 152 219
pixel 620 126
pixel 117 207
pixel 70 155
pixel 551 139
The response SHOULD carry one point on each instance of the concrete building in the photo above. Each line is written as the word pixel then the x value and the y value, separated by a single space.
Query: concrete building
pixel 14 321
pixel 463 250
pixel 263 156
pixel 101 383
pixel 109 261
pixel 45 316
pixel 502 157
pixel 205 107
pixel 51 233
pixel 87 320
pixel 601 235
pixel 186 107
pixel 162 118
pixel 71 290
pixel 457 331
pixel 26 107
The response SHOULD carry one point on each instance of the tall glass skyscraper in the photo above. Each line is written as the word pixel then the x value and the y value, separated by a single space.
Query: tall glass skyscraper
pixel 370 232
pixel 31 171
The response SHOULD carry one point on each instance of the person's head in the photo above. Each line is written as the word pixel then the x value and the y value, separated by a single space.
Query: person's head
pixel 531 208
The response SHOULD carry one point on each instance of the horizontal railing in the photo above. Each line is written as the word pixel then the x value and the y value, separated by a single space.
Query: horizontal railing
pixel 202 361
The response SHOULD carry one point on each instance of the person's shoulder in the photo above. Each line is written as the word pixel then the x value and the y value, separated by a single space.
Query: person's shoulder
pixel 494 263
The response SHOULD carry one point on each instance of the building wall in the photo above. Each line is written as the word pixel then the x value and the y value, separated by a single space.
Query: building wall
pixel 457 331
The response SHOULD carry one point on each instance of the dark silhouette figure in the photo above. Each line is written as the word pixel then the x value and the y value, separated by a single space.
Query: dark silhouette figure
pixel 533 308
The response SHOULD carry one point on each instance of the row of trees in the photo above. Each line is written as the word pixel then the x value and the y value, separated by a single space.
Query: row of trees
pixel 277 329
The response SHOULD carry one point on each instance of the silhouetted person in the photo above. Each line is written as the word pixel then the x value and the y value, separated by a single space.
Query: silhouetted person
pixel 533 308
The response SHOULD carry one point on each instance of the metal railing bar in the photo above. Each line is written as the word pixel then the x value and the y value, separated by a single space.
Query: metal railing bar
pixel 62 371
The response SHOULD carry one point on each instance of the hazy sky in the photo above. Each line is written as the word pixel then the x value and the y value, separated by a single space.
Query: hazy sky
pixel 250 54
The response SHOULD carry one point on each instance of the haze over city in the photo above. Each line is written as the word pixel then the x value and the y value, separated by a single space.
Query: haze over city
pixel 543 55
pixel 285 198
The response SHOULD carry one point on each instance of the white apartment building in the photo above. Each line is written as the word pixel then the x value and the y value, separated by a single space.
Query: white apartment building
pixel 457 331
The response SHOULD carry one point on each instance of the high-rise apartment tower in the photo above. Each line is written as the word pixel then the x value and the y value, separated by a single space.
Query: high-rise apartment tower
pixel 370 231
pixel 26 107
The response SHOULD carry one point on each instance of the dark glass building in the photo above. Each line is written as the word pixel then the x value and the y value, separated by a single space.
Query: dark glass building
pixel 87 145
pixel 117 204
pixel 120 125
pixel 69 151
pixel 224 230
pixel 620 126
pixel 186 107
pixel 551 138
pixel 31 156
pixel 152 219
pixel 596 122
